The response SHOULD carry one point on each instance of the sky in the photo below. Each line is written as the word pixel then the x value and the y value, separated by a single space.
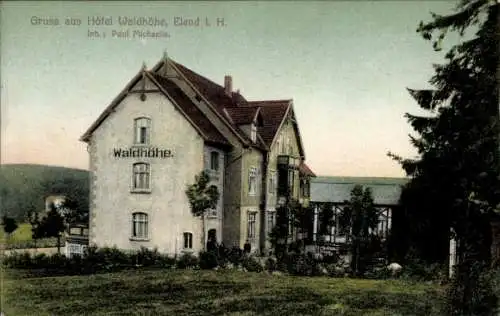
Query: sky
pixel 345 64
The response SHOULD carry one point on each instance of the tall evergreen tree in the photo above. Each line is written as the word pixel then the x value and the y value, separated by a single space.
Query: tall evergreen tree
pixel 359 218
pixel 455 180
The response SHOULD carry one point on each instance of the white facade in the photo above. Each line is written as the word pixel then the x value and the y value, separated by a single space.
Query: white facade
pixel 160 132
pixel 214 161
pixel 158 215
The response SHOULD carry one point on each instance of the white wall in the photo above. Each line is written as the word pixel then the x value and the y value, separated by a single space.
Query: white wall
pixel 112 203
pixel 217 179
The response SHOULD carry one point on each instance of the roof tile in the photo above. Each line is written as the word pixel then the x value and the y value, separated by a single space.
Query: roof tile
pixel 191 110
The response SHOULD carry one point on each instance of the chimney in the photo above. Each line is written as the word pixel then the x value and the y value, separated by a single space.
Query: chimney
pixel 228 85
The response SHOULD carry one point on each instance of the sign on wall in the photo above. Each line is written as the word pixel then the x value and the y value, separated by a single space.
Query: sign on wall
pixel 150 152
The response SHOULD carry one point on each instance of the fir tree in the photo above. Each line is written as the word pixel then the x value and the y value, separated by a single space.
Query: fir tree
pixel 455 179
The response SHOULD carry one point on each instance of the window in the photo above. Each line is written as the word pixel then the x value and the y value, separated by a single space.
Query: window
pixel 288 146
pixel 140 225
pixel 214 161
pixel 282 147
pixel 272 182
pixel 253 132
pixel 188 240
pixel 290 179
pixel 75 249
pixel 252 181
pixel 212 213
pixel 251 229
pixel 304 188
pixel 142 127
pixel 141 176
pixel 271 220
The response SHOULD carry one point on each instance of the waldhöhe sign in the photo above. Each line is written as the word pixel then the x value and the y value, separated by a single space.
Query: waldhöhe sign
pixel 151 152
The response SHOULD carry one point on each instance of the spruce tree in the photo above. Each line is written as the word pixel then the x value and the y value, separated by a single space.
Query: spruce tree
pixel 455 179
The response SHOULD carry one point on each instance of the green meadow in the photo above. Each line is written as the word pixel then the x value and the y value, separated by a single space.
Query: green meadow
pixel 208 292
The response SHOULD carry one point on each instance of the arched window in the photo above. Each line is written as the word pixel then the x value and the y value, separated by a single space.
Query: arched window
pixel 140 225
pixel 141 180
pixel 142 130
pixel 188 240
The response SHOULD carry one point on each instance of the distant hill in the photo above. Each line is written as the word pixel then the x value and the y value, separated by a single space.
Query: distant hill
pixel 23 187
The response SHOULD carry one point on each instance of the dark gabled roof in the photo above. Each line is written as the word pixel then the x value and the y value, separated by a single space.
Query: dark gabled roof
pixel 273 113
pixel 238 108
pixel 209 131
pixel 214 92
pixel 233 110
pixel 305 170
pixel 243 115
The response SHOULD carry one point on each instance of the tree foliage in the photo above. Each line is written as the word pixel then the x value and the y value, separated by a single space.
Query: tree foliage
pixel 291 218
pixel 202 197
pixel 360 218
pixel 23 188
pixel 455 179
pixel 9 224
pixel 51 225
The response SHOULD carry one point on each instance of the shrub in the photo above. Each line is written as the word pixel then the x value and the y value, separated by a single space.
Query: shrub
pixel 208 260
pixel 18 260
pixel 421 271
pixel 271 264
pixel 235 256
pixel 251 264
pixel 471 291
pixel 148 258
pixel 187 260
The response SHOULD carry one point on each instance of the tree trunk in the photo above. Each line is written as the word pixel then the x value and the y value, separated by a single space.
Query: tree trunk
pixel 203 238
pixel 59 244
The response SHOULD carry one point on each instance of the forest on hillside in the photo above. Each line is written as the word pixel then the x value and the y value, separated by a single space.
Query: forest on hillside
pixel 24 187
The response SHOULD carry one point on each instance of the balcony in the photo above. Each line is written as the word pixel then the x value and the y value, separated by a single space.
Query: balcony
pixel 288 161
pixel 287 173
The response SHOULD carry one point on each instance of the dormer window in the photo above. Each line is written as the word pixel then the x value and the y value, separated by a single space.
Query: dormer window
pixel 142 127
pixel 253 132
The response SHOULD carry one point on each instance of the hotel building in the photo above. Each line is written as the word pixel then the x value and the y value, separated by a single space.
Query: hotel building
pixel 166 126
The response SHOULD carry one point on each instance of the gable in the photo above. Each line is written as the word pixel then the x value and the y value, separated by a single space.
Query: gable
pixel 143 84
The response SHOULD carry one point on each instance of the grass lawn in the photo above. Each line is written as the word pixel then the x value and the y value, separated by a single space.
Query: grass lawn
pixel 21 234
pixel 21 238
pixel 190 292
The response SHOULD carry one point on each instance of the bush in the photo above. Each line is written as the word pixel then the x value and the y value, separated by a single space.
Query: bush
pixel 235 256
pixel 478 298
pixel 208 260
pixel 251 264
pixel 187 260
pixel 421 271
pixel 271 264
pixel 18 260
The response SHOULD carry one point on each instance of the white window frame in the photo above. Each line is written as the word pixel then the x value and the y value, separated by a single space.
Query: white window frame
pixel 288 146
pixel 140 226
pixel 252 185
pixel 272 182
pixel 214 161
pixel 142 124
pixel 187 240
pixel 141 177
pixel 253 132
pixel 75 249
pixel 252 225
pixel 282 148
